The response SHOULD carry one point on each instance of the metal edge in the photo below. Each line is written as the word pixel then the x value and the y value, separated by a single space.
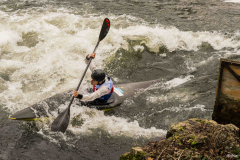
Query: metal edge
pixel 218 89
pixel 219 84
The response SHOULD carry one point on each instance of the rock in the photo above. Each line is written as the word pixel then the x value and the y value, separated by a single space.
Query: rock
pixel 136 153
pixel 191 139
pixel 136 150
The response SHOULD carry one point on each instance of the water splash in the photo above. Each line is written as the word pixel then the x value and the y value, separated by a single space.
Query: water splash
pixel 52 60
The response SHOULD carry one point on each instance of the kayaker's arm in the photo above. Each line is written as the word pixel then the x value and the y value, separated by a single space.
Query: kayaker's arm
pixel 97 94
pixel 92 65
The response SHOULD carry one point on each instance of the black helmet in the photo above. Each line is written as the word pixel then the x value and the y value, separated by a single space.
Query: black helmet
pixel 98 75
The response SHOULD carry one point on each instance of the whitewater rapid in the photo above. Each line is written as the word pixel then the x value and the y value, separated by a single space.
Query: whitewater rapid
pixel 42 53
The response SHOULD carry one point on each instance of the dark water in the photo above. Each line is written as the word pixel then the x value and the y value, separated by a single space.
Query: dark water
pixel 205 32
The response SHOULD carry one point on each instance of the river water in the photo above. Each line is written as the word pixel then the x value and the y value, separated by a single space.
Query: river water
pixel 43 45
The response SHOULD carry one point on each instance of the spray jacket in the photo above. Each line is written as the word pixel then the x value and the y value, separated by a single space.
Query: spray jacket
pixel 103 91
pixel 109 85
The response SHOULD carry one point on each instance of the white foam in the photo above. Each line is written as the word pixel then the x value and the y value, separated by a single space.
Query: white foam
pixel 182 108
pixel 56 62
pixel 138 48
pixel 177 81
pixel 174 39
pixel 233 1
pixel 157 99
pixel 116 126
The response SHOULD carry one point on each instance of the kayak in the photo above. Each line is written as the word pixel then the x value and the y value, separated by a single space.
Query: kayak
pixel 44 108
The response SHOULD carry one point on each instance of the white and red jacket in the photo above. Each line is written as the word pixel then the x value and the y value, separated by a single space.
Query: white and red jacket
pixel 109 85
pixel 103 91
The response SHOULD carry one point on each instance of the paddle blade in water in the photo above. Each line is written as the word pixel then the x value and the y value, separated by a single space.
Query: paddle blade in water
pixel 105 29
pixel 60 124
pixel 62 121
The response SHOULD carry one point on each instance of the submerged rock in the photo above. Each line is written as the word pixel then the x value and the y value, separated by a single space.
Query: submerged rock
pixel 192 139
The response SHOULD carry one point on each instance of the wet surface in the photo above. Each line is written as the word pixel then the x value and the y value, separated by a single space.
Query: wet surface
pixel 159 106
pixel 193 15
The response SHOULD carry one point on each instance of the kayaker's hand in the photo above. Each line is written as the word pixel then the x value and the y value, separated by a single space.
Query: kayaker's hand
pixel 75 93
pixel 91 55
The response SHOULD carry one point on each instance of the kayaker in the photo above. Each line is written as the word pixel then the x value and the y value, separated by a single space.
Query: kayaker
pixel 102 85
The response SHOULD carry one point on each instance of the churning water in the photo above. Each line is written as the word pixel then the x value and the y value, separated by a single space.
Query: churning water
pixel 43 45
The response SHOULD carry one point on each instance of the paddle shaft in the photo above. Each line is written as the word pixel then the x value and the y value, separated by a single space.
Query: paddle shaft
pixel 62 121
pixel 83 74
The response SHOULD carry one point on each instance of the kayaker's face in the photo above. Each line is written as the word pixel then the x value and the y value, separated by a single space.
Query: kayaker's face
pixel 94 82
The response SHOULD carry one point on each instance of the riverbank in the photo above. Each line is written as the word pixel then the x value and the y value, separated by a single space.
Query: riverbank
pixel 192 139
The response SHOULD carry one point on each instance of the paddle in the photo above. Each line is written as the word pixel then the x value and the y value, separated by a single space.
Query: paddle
pixel 62 121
